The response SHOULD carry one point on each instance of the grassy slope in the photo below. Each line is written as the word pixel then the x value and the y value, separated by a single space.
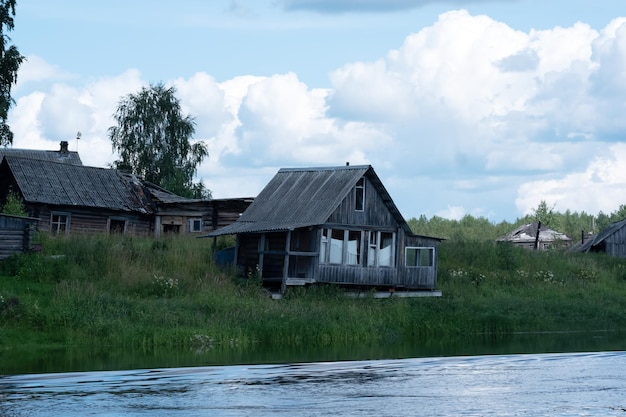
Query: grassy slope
pixel 142 293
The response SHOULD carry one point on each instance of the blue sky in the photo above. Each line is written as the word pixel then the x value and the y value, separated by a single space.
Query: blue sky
pixel 462 107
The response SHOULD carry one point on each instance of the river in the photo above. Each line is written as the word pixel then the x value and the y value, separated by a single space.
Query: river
pixel 548 384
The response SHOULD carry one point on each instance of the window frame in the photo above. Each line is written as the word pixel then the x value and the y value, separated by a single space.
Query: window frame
pixel 191 222
pixel 117 219
pixel 55 226
pixel 418 257
pixel 359 195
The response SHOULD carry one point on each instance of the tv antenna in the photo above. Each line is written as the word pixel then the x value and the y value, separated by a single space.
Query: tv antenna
pixel 78 136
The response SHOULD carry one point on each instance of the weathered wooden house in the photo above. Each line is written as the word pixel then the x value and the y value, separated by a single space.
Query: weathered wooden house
pixel 331 225
pixel 180 215
pixel 611 240
pixel 67 197
pixel 536 236
pixel 16 234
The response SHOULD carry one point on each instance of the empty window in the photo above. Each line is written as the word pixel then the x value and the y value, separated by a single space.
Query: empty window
pixel 359 195
pixel 416 256
pixel 336 246
pixel 59 223
pixel 339 246
pixel 354 248
pixel 117 226
pixel 386 249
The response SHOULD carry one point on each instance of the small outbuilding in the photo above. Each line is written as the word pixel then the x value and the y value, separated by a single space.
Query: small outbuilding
pixel 611 240
pixel 334 225
pixel 536 236
pixel 16 234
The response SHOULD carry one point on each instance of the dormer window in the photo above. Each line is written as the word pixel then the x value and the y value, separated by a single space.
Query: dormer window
pixel 359 195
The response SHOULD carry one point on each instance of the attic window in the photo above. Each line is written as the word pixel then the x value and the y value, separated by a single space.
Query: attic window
pixel 359 195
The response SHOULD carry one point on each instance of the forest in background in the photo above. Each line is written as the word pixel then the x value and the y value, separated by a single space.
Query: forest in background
pixel 482 229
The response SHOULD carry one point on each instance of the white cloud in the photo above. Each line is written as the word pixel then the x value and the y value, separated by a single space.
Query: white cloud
pixel 467 116
pixel 600 187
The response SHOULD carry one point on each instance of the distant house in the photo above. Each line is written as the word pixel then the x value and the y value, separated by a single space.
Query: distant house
pixel 611 240
pixel 535 236
pixel 68 197
pixel 331 225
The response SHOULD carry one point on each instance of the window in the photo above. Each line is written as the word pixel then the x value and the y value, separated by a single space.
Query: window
pixel 195 225
pixel 359 195
pixel 416 256
pixel 59 223
pixel 342 247
pixel 117 225
pixel 354 248
pixel 336 246
pixel 381 249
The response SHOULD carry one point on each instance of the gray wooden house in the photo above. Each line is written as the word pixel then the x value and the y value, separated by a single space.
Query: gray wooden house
pixel 67 197
pixel 331 225
pixel 611 240
pixel 180 215
pixel 536 236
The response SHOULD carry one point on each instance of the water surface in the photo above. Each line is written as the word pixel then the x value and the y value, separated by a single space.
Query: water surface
pixel 555 384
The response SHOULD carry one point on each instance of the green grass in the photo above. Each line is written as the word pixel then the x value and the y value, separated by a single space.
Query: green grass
pixel 148 294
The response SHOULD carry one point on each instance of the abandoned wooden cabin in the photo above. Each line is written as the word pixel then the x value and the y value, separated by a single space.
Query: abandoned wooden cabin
pixel 536 236
pixel 611 240
pixel 180 215
pixel 69 197
pixel 333 225
pixel 82 199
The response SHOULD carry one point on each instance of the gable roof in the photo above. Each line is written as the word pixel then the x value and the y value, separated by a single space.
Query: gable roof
pixel 45 182
pixel 528 232
pixel 66 157
pixel 301 197
pixel 605 233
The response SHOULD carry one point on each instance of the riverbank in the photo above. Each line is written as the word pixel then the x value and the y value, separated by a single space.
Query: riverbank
pixel 147 294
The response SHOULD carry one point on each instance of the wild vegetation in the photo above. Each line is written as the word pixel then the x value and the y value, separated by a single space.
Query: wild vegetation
pixel 144 294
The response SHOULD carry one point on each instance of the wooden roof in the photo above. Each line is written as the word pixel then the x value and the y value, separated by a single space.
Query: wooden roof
pixel 67 157
pixel 46 182
pixel 605 233
pixel 302 197
pixel 528 232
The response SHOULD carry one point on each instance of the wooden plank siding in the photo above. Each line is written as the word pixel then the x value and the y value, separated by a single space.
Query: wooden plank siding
pixel 84 221
pixel 16 234
pixel 615 244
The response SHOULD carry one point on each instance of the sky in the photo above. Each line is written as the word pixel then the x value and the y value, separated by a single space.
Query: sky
pixel 466 107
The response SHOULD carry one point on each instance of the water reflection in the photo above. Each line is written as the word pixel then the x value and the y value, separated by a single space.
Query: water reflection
pixel 20 361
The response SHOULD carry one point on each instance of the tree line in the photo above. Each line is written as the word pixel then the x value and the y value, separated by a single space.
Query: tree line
pixel 573 224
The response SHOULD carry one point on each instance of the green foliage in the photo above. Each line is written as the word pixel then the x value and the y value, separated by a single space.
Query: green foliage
pixel 14 204
pixel 141 293
pixel 10 61
pixel 153 139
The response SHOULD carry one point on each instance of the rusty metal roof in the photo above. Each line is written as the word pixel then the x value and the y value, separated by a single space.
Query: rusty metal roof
pixel 302 197
pixel 45 182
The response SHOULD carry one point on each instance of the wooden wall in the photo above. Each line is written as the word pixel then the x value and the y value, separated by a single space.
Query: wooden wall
pixel 16 234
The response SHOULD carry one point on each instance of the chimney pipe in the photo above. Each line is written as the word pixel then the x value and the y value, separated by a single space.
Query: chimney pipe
pixel 64 146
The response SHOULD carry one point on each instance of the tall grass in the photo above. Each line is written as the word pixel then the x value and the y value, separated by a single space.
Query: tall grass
pixel 147 294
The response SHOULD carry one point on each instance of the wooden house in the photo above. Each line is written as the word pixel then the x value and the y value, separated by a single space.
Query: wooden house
pixel 180 215
pixel 611 240
pixel 536 236
pixel 16 234
pixel 333 225
pixel 67 197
